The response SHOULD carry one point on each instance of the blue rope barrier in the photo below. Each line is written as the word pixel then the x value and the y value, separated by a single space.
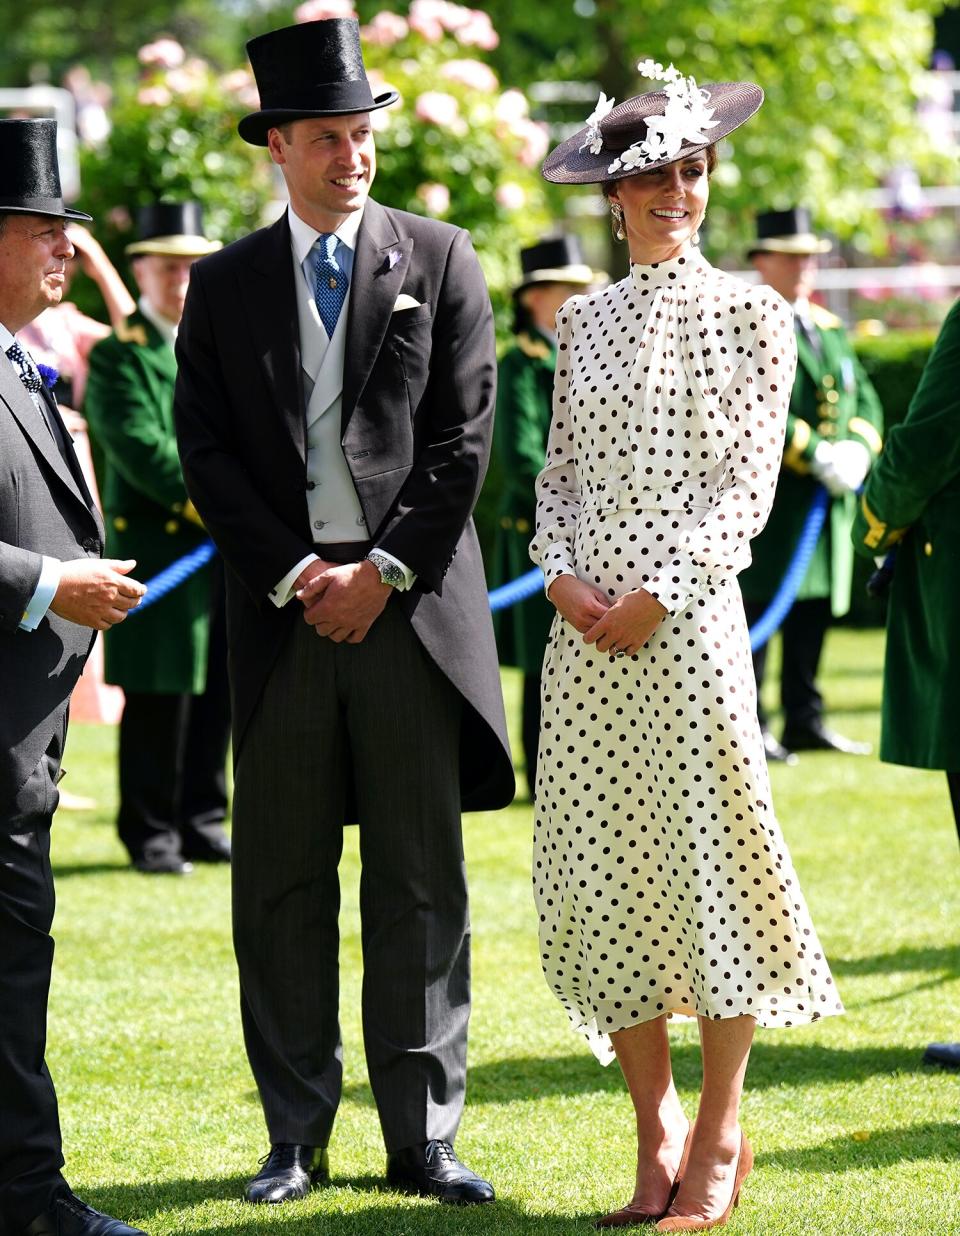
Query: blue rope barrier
pixel 526 586
pixel 173 575
pixel 786 594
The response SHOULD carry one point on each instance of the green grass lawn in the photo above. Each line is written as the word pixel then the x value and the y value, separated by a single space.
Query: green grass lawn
pixel 852 1134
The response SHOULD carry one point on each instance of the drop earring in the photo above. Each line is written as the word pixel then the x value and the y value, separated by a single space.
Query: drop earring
pixel 616 210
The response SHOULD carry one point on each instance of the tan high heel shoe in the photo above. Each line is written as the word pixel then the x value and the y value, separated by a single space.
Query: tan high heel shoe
pixel 635 1216
pixel 672 1222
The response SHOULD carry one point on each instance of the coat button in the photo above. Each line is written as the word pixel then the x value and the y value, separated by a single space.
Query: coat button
pixel 120 523
pixel 928 549
pixel 171 526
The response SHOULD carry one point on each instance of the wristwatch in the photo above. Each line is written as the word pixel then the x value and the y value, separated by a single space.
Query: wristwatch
pixel 390 572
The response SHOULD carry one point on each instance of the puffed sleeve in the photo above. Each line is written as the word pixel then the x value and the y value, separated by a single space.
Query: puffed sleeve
pixel 756 403
pixel 558 490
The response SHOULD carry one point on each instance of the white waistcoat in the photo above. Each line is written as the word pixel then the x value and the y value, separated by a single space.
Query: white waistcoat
pixel 335 511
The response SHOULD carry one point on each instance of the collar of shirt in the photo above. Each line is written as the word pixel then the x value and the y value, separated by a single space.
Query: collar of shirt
pixel 167 329
pixel 303 237
pixel 6 339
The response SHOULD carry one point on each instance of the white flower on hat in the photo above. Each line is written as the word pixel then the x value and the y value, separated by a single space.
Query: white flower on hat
pixel 594 137
pixel 683 122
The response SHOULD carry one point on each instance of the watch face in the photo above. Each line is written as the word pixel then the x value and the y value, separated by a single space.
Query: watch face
pixel 390 573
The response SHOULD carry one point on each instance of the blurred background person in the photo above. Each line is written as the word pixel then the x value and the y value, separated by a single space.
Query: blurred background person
pixel 833 436
pixel 912 501
pixel 170 662
pixel 553 270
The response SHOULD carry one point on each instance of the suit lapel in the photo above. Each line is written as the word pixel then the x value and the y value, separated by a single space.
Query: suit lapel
pixel 379 268
pixel 30 419
pixel 269 300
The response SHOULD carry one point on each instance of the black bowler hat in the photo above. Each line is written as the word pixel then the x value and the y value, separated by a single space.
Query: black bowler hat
pixel 557 259
pixel 787 231
pixel 314 69
pixel 29 172
pixel 171 229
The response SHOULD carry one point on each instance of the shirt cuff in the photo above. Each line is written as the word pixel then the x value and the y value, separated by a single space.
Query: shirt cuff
pixel 556 560
pixel 677 585
pixel 408 575
pixel 283 592
pixel 44 593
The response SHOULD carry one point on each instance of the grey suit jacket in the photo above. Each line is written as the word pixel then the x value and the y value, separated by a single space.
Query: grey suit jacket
pixel 417 415
pixel 45 508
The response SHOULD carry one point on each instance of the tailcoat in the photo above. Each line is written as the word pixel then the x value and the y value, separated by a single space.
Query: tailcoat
pixel 129 409
pixel 832 400
pixel 912 502
pixel 417 403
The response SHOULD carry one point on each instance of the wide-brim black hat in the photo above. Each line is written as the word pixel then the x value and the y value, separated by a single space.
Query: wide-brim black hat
pixel 314 69
pixel 171 229
pixel 788 231
pixel 29 171
pixel 594 154
pixel 556 259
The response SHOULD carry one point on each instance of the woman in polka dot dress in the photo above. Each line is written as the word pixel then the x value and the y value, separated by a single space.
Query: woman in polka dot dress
pixel 662 880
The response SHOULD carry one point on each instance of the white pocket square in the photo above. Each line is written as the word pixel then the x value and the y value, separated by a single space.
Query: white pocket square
pixel 404 301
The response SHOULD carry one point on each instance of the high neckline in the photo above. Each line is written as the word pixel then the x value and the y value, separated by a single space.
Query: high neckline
pixel 664 274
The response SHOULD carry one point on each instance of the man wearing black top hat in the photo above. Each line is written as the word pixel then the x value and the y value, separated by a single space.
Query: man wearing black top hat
pixel 334 404
pixel 553 270
pixel 172 661
pixel 55 593
pixel 833 437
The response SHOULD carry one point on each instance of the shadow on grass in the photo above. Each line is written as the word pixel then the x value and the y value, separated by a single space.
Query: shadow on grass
pixel 63 871
pixel 152 1203
pixel 882 1148
pixel 529 1078
pixel 902 960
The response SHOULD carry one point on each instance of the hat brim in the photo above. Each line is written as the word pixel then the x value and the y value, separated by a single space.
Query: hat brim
pixel 804 244
pixel 579 275
pixel 572 163
pixel 67 212
pixel 255 127
pixel 173 246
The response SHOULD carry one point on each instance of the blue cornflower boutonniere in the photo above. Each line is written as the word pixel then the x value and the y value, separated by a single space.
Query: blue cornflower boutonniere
pixel 49 375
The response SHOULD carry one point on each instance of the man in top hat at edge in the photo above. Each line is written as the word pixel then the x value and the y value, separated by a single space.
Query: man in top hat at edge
pixel 172 661
pixel 553 270
pixel 55 594
pixel 334 412
pixel 833 437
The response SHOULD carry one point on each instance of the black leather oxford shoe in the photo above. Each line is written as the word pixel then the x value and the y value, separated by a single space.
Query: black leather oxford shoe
pixel 819 738
pixel 68 1216
pixel 433 1170
pixel 288 1172
pixel 947 1055
pixel 776 751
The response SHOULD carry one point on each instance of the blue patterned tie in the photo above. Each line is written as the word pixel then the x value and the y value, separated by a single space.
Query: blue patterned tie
pixel 331 285
pixel 28 374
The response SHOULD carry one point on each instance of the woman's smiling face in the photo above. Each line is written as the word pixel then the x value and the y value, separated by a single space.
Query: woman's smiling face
pixel 663 208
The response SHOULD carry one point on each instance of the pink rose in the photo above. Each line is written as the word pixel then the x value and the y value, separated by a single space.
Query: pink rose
pixel 385 29
pixel 165 53
pixel 510 196
pixel 478 32
pixel 435 107
pixel 118 217
pixel 435 197
pixel 154 96
pixel 318 10
pixel 535 141
pixel 428 29
pixel 511 106
pixel 471 73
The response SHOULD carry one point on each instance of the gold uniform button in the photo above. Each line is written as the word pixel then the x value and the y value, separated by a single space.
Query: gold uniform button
pixel 928 549
pixel 833 397
pixel 506 521
pixel 177 508
pixel 827 429
pixel 171 526
pixel 120 523
pixel 523 525
pixel 828 380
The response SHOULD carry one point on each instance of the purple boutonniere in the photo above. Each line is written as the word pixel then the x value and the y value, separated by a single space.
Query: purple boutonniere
pixel 49 375
pixel 392 258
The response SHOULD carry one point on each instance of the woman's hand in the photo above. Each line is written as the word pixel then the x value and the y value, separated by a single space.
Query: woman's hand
pixel 627 625
pixel 578 603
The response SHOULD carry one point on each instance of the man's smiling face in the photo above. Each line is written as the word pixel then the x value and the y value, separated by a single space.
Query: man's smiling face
pixel 329 163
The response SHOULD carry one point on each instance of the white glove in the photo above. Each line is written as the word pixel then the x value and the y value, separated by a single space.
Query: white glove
pixel 840 467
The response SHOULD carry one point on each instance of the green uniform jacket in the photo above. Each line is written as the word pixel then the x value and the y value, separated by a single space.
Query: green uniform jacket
pixel 524 399
pixel 832 399
pixel 129 410
pixel 912 500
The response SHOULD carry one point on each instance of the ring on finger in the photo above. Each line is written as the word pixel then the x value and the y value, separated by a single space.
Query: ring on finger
pixel 620 652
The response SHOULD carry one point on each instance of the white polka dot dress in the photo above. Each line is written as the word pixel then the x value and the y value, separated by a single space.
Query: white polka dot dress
pixel 661 877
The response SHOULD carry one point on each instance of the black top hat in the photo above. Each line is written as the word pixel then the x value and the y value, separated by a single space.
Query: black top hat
pixel 171 229
pixel 29 172
pixel 593 155
pixel 787 231
pixel 314 69
pixel 556 259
